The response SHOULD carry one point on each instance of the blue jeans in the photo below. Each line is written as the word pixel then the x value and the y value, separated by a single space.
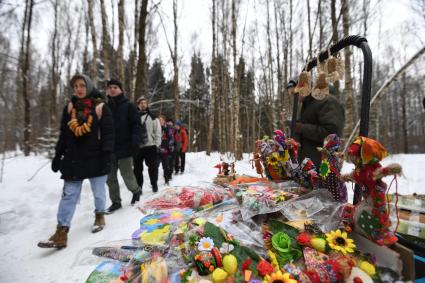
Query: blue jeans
pixel 71 195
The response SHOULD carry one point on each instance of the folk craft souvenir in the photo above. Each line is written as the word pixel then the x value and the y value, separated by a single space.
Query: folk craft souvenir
pixel 334 67
pixel 330 168
pixel 306 174
pixel 371 215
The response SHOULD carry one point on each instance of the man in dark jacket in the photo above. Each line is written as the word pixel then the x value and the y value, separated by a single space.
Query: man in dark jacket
pixel 83 151
pixel 317 120
pixel 128 133
pixel 150 146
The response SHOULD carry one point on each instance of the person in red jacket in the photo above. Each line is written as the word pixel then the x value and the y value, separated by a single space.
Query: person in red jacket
pixel 180 141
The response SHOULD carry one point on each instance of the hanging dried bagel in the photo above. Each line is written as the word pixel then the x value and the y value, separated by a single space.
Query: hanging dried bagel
pixel 304 84
pixel 334 68
pixel 321 89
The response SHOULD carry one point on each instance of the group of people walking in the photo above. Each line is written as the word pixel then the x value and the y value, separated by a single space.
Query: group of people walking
pixel 97 138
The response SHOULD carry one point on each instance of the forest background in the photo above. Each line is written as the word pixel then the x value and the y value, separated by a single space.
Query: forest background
pixel 221 66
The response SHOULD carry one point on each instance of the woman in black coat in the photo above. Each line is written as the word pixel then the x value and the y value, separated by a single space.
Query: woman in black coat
pixel 83 151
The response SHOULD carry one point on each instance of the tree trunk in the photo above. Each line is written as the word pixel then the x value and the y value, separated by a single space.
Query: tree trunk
pixel 141 63
pixel 291 38
pixel 236 90
pixel 321 26
pixel 176 92
pixel 213 80
pixel 335 40
pixel 93 65
pixel 280 94
pixel 404 115
pixel 226 124
pixel 310 35
pixel 54 70
pixel 270 76
pixel 348 90
pixel 121 27
pixel 106 42
pixel 25 78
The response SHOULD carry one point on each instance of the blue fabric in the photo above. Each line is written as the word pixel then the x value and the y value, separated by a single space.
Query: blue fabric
pixel 71 195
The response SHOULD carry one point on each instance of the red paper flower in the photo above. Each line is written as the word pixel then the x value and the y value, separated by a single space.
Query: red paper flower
pixel 303 239
pixel 264 268
pixel 246 264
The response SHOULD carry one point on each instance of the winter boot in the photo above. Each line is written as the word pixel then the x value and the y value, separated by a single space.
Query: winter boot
pixel 58 240
pixel 99 222
pixel 113 207
pixel 154 188
pixel 136 196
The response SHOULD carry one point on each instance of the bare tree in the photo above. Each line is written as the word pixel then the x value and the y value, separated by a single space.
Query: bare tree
pixel 213 79
pixel 280 94
pixel 106 42
pixel 174 56
pixel 310 34
pixel 93 65
pixel 335 39
pixel 141 63
pixel 236 90
pixel 55 75
pixel 25 72
pixel 121 27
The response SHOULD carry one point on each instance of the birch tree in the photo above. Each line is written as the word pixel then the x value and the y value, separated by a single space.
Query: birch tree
pixel 106 42
pixel 214 74
pixel 141 63
pixel 93 65
pixel 25 65
pixel 121 28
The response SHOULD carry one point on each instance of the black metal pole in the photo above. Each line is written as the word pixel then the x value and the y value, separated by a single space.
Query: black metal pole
pixel 366 89
pixel 294 114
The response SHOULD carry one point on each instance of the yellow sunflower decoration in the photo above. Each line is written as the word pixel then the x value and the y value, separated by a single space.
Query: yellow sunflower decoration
pixel 274 159
pixel 339 241
pixel 279 277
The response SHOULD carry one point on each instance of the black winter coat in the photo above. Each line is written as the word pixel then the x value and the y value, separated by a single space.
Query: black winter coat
pixel 128 129
pixel 89 155
pixel 319 119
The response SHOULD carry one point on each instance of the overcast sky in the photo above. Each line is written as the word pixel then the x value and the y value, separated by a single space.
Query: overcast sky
pixel 195 28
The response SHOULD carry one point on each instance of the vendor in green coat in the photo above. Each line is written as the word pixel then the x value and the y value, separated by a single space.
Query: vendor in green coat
pixel 317 120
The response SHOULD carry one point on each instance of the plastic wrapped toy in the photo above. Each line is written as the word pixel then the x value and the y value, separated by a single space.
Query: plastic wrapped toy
pixel 306 174
pixel 185 197
pixel 260 198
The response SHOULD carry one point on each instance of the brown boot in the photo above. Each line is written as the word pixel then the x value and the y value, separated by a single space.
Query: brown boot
pixel 58 240
pixel 99 222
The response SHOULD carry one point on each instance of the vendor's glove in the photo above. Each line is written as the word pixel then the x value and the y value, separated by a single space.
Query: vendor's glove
pixel 56 163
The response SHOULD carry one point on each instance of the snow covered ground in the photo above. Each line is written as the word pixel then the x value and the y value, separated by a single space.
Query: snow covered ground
pixel 28 215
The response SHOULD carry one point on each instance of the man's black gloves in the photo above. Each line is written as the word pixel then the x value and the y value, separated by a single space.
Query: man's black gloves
pixel 56 162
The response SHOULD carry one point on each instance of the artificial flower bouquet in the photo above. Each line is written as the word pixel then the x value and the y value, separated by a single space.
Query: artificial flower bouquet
pixel 310 255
